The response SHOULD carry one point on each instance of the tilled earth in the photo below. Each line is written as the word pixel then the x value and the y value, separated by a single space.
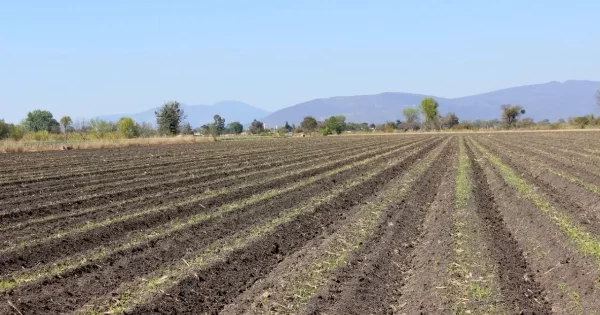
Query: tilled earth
pixel 499 223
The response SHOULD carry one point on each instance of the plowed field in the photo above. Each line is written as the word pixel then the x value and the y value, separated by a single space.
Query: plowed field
pixel 407 224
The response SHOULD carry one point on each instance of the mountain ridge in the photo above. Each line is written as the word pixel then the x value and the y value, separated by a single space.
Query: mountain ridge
pixel 552 100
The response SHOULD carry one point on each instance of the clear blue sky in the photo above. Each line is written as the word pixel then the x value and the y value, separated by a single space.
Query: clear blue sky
pixel 85 58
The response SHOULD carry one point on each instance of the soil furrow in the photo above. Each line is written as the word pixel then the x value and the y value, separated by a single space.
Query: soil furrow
pixel 68 219
pixel 14 260
pixel 151 173
pixel 152 191
pixel 370 282
pixel 517 282
pixel 164 251
pixel 82 195
pixel 243 267
pixel 157 157
pixel 562 193
pixel 176 226
pixel 579 167
pixel 567 276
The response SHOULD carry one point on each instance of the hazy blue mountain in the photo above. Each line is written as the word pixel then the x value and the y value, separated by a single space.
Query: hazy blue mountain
pixel 552 100
pixel 198 115
pixel 370 108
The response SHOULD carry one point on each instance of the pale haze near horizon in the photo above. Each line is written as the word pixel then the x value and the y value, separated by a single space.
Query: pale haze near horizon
pixel 85 59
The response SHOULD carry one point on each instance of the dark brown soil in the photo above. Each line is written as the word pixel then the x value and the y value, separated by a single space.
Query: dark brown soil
pixel 220 284
pixel 43 253
pixel 401 269
pixel 517 282
pixel 370 282
pixel 567 277
pixel 50 190
pixel 564 194
pixel 126 265
pixel 52 226
pixel 79 198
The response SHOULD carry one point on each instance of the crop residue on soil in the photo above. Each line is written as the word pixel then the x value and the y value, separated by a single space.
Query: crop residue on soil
pixel 499 223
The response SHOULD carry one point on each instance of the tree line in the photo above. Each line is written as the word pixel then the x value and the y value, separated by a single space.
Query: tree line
pixel 41 125
pixel 170 120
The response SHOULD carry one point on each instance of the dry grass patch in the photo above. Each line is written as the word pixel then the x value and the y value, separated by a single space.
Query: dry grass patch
pixel 9 146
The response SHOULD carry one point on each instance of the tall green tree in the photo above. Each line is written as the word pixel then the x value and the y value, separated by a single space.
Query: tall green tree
pixel 511 114
pixel 288 127
pixel 411 115
pixel 218 125
pixel 429 108
pixel 66 122
pixel 41 120
pixel 235 127
pixel 169 117
pixel 127 127
pixel 335 124
pixel 309 124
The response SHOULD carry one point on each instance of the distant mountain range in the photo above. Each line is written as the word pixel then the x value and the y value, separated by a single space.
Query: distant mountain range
pixel 198 115
pixel 553 100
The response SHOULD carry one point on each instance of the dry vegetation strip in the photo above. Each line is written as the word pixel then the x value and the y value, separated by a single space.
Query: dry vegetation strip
pixel 25 146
